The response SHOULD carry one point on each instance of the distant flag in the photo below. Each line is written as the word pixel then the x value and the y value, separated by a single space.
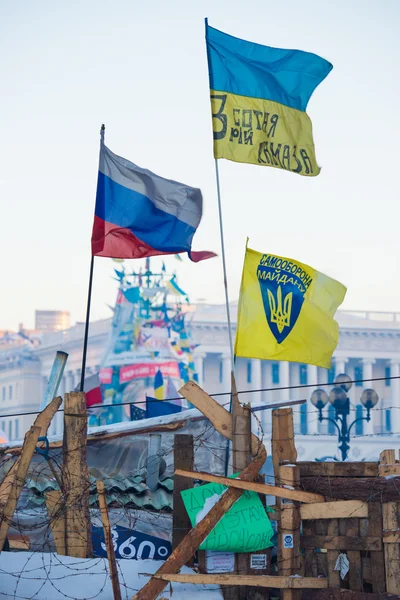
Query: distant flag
pixel 139 214
pixel 163 268
pixel 119 274
pixel 159 386
pixel 286 311
pixel 172 393
pixel 178 257
pixel 160 409
pixel 132 294
pixel 259 97
pixel 174 288
pixel 92 390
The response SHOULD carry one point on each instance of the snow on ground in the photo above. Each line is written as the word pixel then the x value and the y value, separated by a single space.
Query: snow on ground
pixel 46 576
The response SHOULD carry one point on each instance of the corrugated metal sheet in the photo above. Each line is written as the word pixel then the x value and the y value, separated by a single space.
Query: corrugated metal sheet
pixel 129 492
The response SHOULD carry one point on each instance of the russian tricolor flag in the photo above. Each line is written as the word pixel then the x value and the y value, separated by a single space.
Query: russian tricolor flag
pixel 140 214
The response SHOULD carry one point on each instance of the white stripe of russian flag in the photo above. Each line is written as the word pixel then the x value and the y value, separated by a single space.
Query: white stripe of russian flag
pixel 91 387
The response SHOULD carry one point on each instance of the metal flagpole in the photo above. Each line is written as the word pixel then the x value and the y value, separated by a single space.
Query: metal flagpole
pixel 228 312
pixel 221 230
pixel 89 299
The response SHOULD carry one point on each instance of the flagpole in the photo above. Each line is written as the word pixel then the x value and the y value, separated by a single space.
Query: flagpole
pixel 221 231
pixel 85 339
pixel 89 298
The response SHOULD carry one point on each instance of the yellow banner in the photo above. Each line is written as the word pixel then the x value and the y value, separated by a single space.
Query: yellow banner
pixel 262 132
pixel 286 311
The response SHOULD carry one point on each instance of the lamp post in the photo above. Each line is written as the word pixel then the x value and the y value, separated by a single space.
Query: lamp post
pixel 341 403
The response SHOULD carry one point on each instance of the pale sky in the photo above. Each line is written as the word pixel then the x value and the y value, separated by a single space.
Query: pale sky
pixel 140 68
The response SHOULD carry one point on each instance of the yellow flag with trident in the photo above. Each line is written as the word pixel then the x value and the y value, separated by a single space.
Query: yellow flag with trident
pixel 286 311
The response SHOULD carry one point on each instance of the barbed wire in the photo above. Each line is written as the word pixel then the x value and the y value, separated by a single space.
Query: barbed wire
pixel 219 394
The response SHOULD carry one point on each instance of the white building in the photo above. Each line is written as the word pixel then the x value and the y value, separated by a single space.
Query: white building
pixel 369 347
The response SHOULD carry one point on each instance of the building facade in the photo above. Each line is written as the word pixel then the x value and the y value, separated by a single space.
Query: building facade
pixel 369 348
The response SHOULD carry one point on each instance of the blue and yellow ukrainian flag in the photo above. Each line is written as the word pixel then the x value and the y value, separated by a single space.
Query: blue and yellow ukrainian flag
pixel 286 311
pixel 259 97
pixel 159 386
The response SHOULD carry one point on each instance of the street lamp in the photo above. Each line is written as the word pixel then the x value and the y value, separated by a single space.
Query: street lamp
pixel 341 403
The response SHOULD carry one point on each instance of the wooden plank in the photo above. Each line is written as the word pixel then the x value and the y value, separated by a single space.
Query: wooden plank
pixel 260 488
pixel 214 412
pixel 354 556
pixel 271 581
pixel 241 448
pixel 28 451
pixel 332 555
pixel 55 510
pixel 338 469
pixel 335 510
pixel 377 561
pixel 256 593
pixel 108 540
pixel 368 489
pixel 75 477
pixel 197 535
pixel 290 526
pixel 342 542
pixel 284 452
pixel 282 439
pixel 183 459
pixel 390 537
pixel 19 541
pixel 6 485
pixel 310 557
pixel 392 551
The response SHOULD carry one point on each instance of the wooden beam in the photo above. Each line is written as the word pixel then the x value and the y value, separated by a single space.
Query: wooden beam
pixel 368 489
pixel 183 459
pixel 197 535
pixel 392 551
pixel 20 474
pixel 108 540
pixel 378 560
pixel 55 511
pixel 260 488
pixel 214 412
pixel 345 509
pixel 267 581
pixel 241 448
pixel 75 477
pixel 341 542
pixel 338 469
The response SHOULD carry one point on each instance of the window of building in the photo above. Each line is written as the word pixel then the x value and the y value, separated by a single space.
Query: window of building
pixel 303 419
pixel 16 429
pixel 388 420
pixel 10 392
pixel 3 393
pixel 249 371
pixel 358 376
pixel 359 427
pixel 331 414
pixel 275 373
pixel 221 371
pixel 10 437
pixel 303 376
pixel 331 375
pixel 387 375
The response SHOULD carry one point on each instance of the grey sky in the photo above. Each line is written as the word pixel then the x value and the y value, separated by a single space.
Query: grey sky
pixel 140 67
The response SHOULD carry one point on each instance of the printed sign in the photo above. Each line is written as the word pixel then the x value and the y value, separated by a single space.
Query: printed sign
pixel 244 528
pixel 288 541
pixel 220 562
pixel 144 370
pixel 106 375
pixel 258 561
pixel 130 543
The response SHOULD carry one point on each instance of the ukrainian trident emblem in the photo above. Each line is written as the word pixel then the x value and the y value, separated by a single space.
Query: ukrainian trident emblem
pixel 282 286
